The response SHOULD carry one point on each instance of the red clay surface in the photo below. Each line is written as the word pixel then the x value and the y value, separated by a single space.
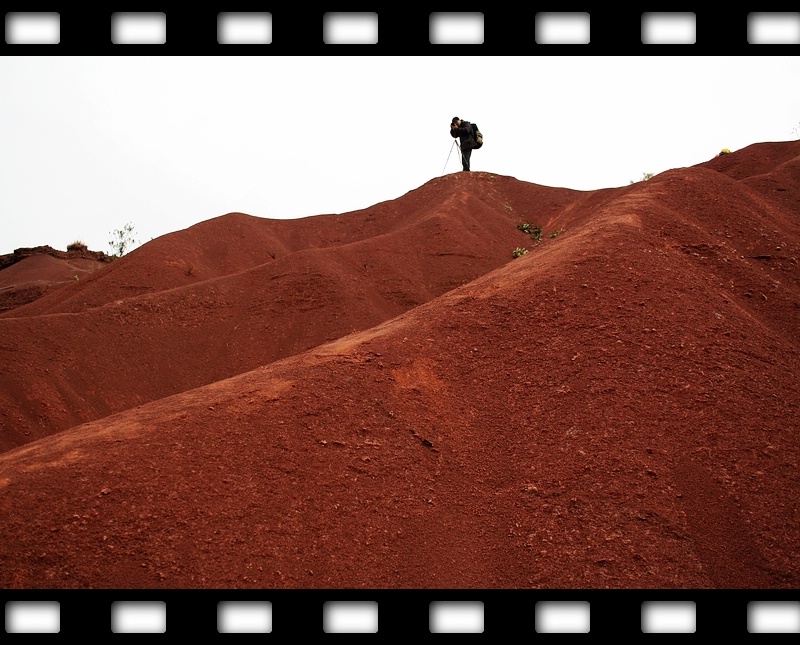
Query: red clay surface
pixel 388 398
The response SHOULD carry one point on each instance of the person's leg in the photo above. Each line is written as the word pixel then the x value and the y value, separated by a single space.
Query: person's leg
pixel 465 155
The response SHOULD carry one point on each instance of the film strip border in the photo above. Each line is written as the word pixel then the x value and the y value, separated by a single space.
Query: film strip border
pixel 398 613
pixel 399 30
pixel 495 613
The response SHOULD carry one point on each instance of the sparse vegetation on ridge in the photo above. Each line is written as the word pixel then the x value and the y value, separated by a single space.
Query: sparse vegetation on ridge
pixel 645 177
pixel 122 240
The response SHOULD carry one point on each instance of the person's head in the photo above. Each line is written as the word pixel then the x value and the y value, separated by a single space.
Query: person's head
pixel 455 122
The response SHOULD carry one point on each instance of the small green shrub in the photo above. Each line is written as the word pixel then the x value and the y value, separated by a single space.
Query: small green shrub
pixel 122 240
pixel 534 231
pixel 645 177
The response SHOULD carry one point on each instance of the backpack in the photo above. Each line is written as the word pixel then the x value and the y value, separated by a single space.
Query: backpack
pixel 477 135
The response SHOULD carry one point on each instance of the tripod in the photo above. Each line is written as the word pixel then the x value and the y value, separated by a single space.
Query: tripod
pixel 457 147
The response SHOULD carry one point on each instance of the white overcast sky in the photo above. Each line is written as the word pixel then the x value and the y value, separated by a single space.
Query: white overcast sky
pixel 90 144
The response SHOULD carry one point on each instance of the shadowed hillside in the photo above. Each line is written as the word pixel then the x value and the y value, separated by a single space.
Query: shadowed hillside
pixel 389 399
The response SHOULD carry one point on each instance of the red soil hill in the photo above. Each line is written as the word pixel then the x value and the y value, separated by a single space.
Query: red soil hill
pixel 389 399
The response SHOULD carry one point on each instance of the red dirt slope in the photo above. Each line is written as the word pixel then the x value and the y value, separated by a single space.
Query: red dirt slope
pixel 388 399
pixel 237 292
pixel 30 273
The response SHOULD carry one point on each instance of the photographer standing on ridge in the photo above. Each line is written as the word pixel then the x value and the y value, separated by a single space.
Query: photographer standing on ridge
pixel 463 131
